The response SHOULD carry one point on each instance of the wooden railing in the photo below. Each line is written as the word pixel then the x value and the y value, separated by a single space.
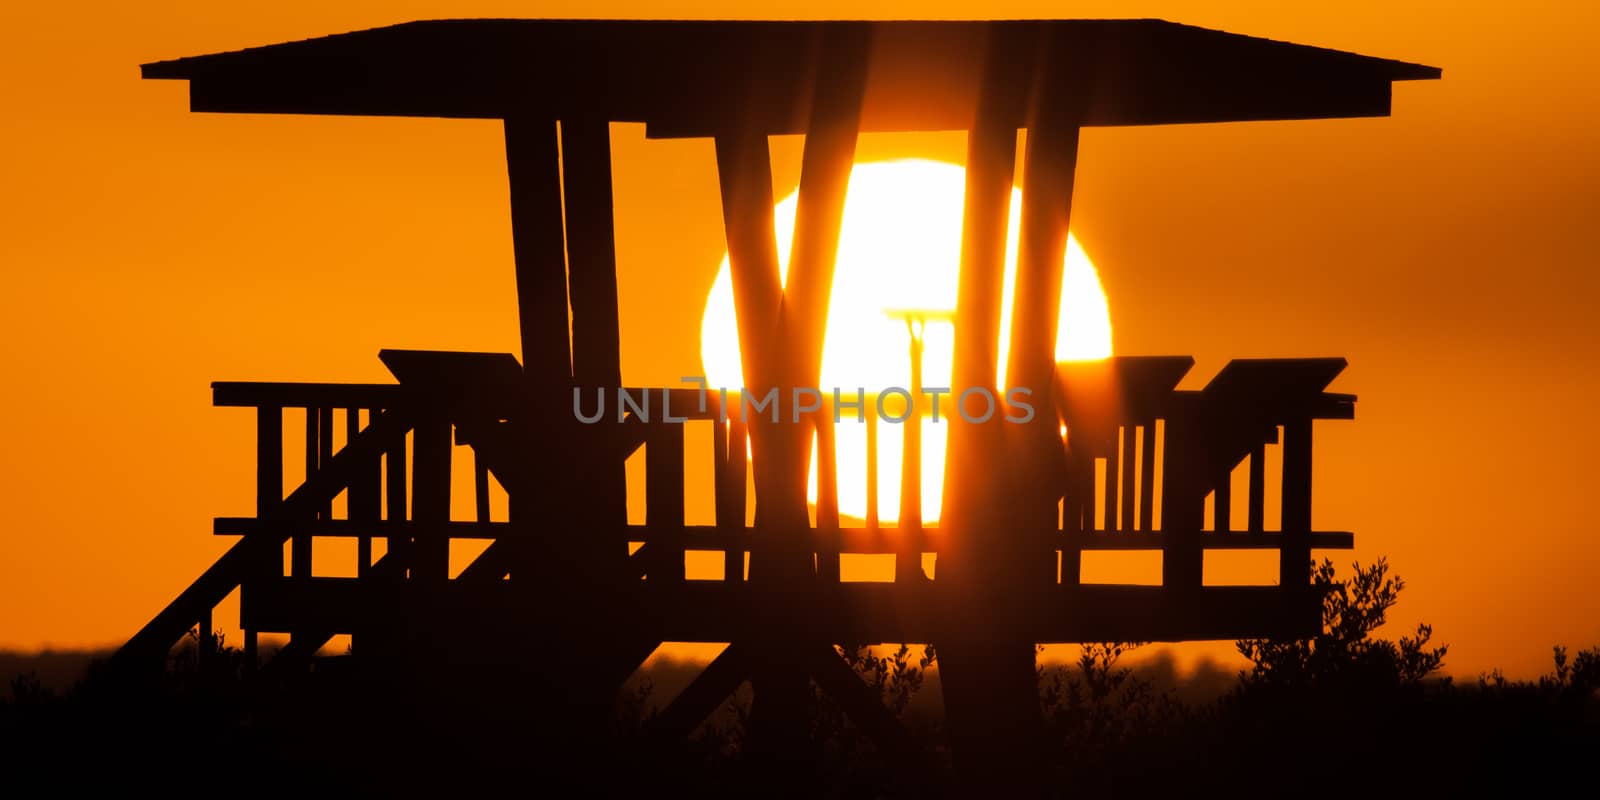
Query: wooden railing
pixel 1143 460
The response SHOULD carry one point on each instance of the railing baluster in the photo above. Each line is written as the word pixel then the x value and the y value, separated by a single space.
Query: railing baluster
pixel 399 545
pixel 827 497
pixel 1147 492
pixel 872 466
pixel 1109 495
pixel 1222 502
pixel 300 543
pixel 722 487
pixel 1125 484
pixel 325 452
pixel 1258 489
pixel 1071 563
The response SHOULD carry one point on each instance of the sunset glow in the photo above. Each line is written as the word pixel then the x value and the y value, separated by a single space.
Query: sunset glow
pixel 899 248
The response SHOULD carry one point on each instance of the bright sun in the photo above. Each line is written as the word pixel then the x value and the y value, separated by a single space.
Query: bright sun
pixel 899 248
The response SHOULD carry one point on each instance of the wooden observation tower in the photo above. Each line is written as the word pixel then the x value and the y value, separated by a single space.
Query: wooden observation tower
pixel 569 598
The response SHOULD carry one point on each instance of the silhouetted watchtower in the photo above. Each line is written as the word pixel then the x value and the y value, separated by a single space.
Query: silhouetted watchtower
pixel 568 598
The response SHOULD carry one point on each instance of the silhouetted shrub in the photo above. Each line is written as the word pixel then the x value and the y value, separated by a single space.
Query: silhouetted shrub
pixel 1345 656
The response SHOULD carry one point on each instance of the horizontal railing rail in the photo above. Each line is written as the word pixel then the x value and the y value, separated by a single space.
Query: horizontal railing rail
pixel 1146 464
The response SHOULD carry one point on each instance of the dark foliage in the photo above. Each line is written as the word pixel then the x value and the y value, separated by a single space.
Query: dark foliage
pixel 1346 712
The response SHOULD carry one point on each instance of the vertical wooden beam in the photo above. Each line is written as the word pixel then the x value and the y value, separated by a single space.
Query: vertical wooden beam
pixel 533 168
pixel 663 470
pixel 990 176
pixel 1073 510
pixel 480 489
pixel 735 486
pixel 782 691
pixel 592 287
pixel 591 251
pixel 1183 495
pixel 744 173
pixel 1294 560
pixel 827 497
pixel 269 460
pixel 430 501
pixel 908 555
pixel 1048 175
pixel 269 496
pixel 989 682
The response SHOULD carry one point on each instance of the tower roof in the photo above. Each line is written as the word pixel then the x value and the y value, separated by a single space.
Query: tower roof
pixel 686 78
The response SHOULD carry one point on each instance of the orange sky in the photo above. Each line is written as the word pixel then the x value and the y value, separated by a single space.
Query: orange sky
pixel 1446 251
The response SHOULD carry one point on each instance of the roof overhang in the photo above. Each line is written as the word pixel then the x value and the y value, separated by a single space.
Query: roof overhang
pixel 687 78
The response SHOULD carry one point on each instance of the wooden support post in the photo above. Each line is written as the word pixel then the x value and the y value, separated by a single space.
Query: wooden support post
pixel 991 173
pixel 591 252
pixel 827 497
pixel 989 682
pixel 663 471
pixel 733 485
pixel 1294 560
pixel 533 167
pixel 1076 508
pixel 744 173
pixel 788 355
pixel 269 498
pixel 1183 498
pixel 480 490
pixel 908 556
pixel 1046 213
pixel 430 501
pixel 592 286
